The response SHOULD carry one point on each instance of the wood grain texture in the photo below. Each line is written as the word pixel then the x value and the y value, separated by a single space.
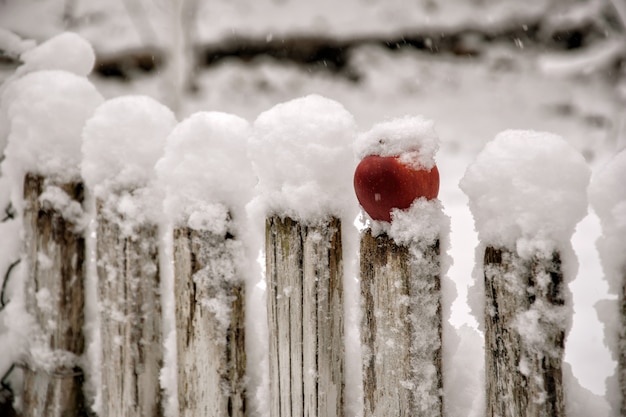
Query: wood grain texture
pixel 305 313
pixel 209 325
pixel 400 328
pixel 130 316
pixel 55 255
pixel 523 370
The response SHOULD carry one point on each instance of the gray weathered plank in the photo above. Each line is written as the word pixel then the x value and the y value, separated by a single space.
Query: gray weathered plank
pixel 209 325
pixel 55 255
pixel 523 373
pixel 305 314
pixel 400 327
pixel 130 316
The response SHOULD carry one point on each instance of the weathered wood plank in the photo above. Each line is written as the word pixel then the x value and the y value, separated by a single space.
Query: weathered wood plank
pixel 209 325
pixel 523 373
pixel 130 317
pixel 305 313
pixel 55 254
pixel 400 328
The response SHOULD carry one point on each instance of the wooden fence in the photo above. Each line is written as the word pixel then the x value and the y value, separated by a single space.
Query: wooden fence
pixel 401 327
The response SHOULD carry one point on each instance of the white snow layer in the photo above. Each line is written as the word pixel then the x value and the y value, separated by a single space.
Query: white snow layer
pixel 527 186
pixel 122 142
pixel 205 171
pixel 46 111
pixel 301 152
pixel 413 138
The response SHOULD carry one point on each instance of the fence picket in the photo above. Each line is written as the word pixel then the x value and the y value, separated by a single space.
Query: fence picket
pixel 54 297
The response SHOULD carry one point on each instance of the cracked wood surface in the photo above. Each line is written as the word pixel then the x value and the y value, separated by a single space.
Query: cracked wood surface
pixel 130 316
pixel 305 314
pixel 210 308
pixel 523 375
pixel 55 258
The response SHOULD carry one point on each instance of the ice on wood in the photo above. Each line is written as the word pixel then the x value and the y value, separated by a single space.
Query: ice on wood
pixel 300 151
pixel 413 138
pixel 527 185
pixel 205 171
pixel 46 112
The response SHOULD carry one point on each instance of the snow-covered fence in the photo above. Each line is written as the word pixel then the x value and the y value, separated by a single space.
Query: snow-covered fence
pixel 527 191
pixel 206 209
pixel 45 157
pixel 400 270
pixel 122 142
pixel 204 185
pixel 303 251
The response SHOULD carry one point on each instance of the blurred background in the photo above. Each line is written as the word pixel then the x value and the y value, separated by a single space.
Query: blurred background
pixel 476 67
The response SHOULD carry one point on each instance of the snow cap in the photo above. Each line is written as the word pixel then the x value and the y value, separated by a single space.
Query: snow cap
pixel 301 153
pixel 413 138
pixel 123 140
pixel 66 51
pixel 526 184
pixel 46 111
pixel 205 165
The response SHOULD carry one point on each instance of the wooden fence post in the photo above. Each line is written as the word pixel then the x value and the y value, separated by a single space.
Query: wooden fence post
pixel 527 191
pixel 397 183
pixel 302 156
pixel 401 327
pixel 305 315
pixel 130 315
pixel 121 143
pixel 55 252
pixel 523 377
pixel 43 154
pixel 205 194
pixel 210 325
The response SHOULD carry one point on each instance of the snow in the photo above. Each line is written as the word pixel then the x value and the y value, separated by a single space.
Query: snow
pixel 205 171
pixel 301 154
pixel 413 138
pixel 122 141
pixel 526 190
pixel 37 141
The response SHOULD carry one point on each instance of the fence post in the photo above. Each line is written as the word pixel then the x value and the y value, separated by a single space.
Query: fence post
pixel 397 183
pixel 43 159
pixel 527 191
pixel 122 141
pixel 608 199
pixel 205 196
pixel 55 296
pixel 300 151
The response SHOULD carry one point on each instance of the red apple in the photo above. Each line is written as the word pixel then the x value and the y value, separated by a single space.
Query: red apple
pixel 383 183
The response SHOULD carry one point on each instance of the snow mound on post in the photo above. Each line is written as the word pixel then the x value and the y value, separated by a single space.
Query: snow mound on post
pixel 205 170
pixel 301 153
pixel 122 142
pixel 412 137
pixel 607 195
pixel 66 51
pixel 46 111
pixel 527 184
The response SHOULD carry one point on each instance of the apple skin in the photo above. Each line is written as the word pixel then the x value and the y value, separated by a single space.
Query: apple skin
pixel 383 183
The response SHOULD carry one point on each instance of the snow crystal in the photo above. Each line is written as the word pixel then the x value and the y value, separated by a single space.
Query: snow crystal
pixel 526 184
pixel 301 153
pixel 122 142
pixel 413 138
pixel 46 111
pixel 205 170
